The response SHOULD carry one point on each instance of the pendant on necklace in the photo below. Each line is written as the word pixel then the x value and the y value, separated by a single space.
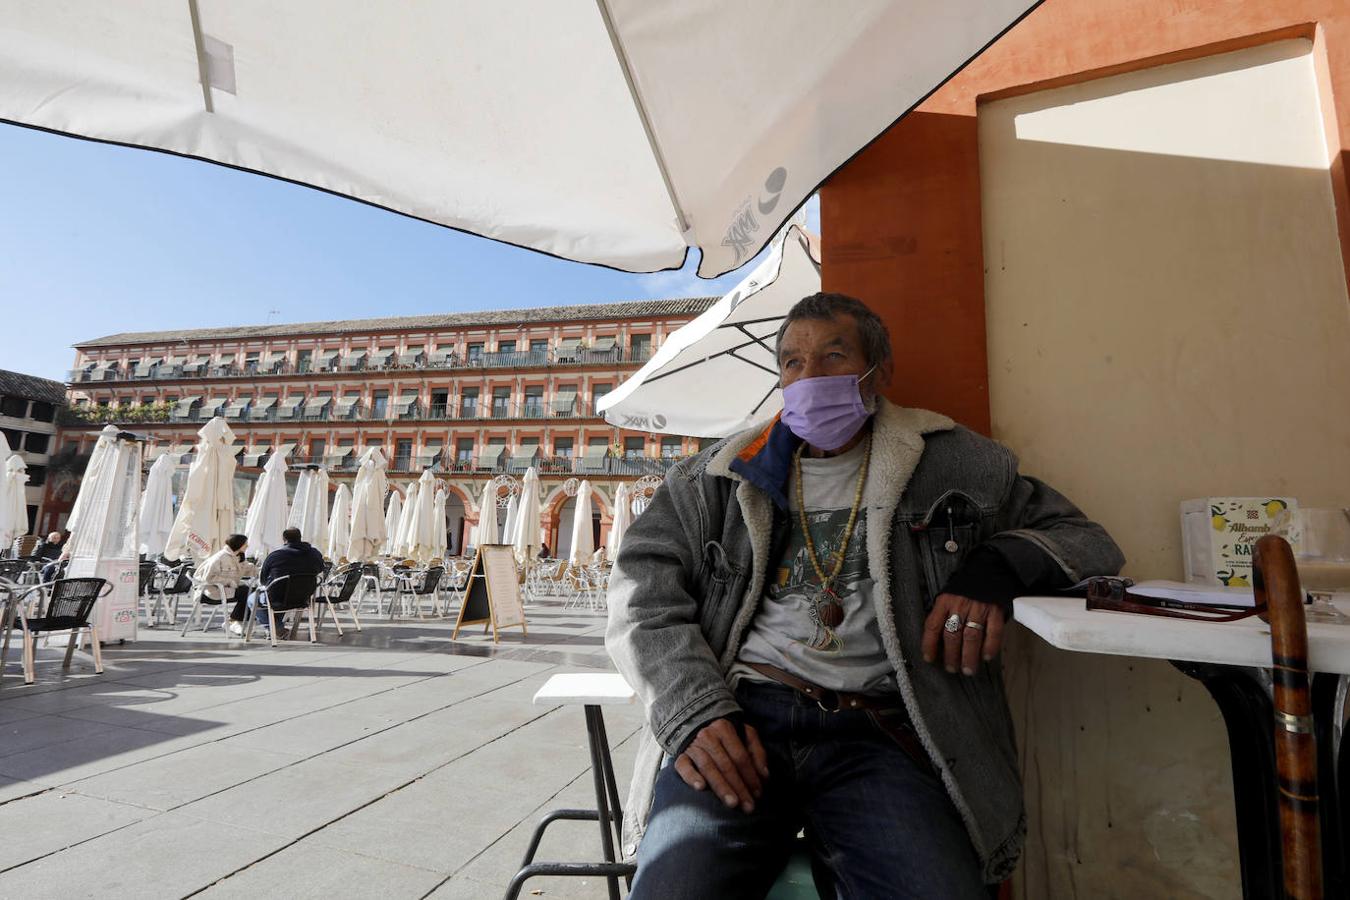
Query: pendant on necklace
pixel 831 610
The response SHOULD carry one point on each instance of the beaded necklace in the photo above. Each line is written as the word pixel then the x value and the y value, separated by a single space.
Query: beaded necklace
pixel 826 610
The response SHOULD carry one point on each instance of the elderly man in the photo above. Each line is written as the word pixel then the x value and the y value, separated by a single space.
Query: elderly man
pixel 812 614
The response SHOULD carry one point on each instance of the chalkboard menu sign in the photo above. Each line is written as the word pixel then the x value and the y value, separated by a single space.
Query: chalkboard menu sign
pixel 492 592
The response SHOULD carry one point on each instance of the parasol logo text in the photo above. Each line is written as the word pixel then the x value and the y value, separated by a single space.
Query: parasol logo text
pixel 740 234
pixel 644 423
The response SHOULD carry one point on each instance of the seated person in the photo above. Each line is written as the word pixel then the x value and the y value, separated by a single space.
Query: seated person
pixel 218 579
pixel 812 614
pixel 291 558
pixel 55 548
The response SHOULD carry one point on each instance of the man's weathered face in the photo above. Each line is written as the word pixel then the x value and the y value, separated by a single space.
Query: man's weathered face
pixel 815 347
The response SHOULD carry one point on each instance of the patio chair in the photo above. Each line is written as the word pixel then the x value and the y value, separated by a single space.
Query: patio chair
pixel 24 545
pixel 171 583
pixel 15 581
pixel 205 593
pixel 69 603
pixel 414 585
pixel 283 594
pixel 338 590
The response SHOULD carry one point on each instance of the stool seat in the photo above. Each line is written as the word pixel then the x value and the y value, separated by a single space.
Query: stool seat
pixel 585 689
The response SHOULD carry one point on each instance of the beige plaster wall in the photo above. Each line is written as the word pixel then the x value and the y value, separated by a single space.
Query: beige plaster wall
pixel 1167 318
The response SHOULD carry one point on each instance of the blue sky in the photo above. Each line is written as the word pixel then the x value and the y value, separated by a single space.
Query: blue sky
pixel 97 239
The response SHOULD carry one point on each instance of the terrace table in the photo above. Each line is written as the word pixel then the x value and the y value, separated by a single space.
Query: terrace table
pixel 1232 660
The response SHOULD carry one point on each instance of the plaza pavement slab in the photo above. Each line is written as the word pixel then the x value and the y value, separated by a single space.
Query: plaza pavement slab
pixel 392 762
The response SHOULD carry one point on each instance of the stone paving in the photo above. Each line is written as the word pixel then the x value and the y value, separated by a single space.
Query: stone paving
pixel 391 763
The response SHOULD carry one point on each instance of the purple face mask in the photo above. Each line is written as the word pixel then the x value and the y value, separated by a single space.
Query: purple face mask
pixel 825 411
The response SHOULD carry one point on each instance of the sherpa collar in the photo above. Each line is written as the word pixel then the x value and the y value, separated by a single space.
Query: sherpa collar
pixel 762 455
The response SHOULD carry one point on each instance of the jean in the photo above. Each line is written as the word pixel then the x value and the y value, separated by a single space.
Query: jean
pixel 878 822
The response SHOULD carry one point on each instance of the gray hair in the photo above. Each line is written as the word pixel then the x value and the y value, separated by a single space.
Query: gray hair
pixel 876 340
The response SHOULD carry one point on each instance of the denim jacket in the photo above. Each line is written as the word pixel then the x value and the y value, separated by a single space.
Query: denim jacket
pixel 692 569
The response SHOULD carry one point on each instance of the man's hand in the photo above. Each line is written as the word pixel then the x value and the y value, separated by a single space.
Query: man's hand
pixel 718 758
pixel 969 645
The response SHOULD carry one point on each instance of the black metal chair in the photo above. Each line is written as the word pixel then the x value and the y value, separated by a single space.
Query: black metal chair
pixel 413 585
pixel 172 583
pixel 338 590
pixel 287 593
pixel 70 601
pixel 16 576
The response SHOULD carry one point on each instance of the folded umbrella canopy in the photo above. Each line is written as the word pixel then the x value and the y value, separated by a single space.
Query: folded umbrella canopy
pixel 13 500
pixel 512 514
pixel 528 536
pixel 583 535
pixel 440 537
pixel 726 357
pixel 402 541
pixel 422 530
pixel 206 515
pixel 106 444
pixel 368 532
pixel 309 507
pixel 392 516
pixel 486 532
pixel 267 513
pixel 580 128
pixel 156 510
pixel 623 517
pixel 339 525
pixel 105 545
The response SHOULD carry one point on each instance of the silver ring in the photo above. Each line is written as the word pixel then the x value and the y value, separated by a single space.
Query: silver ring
pixel 978 626
pixel 953 624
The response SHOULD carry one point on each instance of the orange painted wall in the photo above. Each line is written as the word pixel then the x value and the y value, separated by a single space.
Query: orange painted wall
pixel 901 222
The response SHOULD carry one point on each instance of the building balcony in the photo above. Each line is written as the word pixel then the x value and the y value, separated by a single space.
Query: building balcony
pixel 346 365
pixel 327 413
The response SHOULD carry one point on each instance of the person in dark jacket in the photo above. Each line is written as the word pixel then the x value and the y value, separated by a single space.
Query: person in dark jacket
pixel 294 557
pixel 55 549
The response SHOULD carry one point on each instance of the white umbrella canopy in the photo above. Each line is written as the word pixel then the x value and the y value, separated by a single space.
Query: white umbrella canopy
pixel 13 500
pixel 576 128
pixel 206 514
pixel 106 444
pixel 486 532
pixel 583 537
pixel 309 507
pixel 267 513
pixel 422 530
pixel 392 516
pixel 402 542
pixel 528 537
pixel 369 531
pixel 440 537
pixel 726 357
pixel 339 525
pixel 512 513
pixel 623 517
pixel 156 511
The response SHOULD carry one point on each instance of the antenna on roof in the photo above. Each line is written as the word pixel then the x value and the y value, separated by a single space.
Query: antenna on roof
pixel 271 313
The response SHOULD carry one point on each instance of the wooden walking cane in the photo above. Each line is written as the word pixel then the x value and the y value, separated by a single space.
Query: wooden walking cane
pixel 1277 588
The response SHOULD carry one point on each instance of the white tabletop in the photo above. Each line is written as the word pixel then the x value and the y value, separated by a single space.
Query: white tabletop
pixel 1066 623
pixel 584 689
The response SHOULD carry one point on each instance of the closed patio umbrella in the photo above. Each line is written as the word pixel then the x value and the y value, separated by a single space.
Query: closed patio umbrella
pixel 528 536
pixel 339 525
pixel 309 508
pixel 206 514
pixel 583 537
pixel 623 517
pixel 509 526
pixel 156 510
pixel 13 500
pixel 106 443
pixel 726 357
pixel 402 543
pixel 393 514
pixel 486 532
pixel 368 532
pixel 106 546
pixel 577 128
pixel 422 536
pixel 267 513
pixel 440 538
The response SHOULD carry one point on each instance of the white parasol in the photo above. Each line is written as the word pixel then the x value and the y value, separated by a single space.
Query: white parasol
pixel 580 129
pixel 368 532
pixel 512 513
pixel 13 500
pixel 583 536
pixel 339 525
pixel 105 545
pixel 267 513
pixel 206 514
pixel 392 517
pixel 623 517
pixel 486 532
pixel 528 536
pixel 402 543
pixel 309 507
pixel 440 538
pixel 156 510
pixel 422 530
pixel 726 356
pixel 107 443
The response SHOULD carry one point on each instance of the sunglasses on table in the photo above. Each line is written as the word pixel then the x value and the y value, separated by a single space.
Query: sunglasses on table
pixel 1113 594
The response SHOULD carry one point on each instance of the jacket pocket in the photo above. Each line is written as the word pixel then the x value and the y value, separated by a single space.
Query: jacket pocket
pixel 945 535
pixel 721 584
